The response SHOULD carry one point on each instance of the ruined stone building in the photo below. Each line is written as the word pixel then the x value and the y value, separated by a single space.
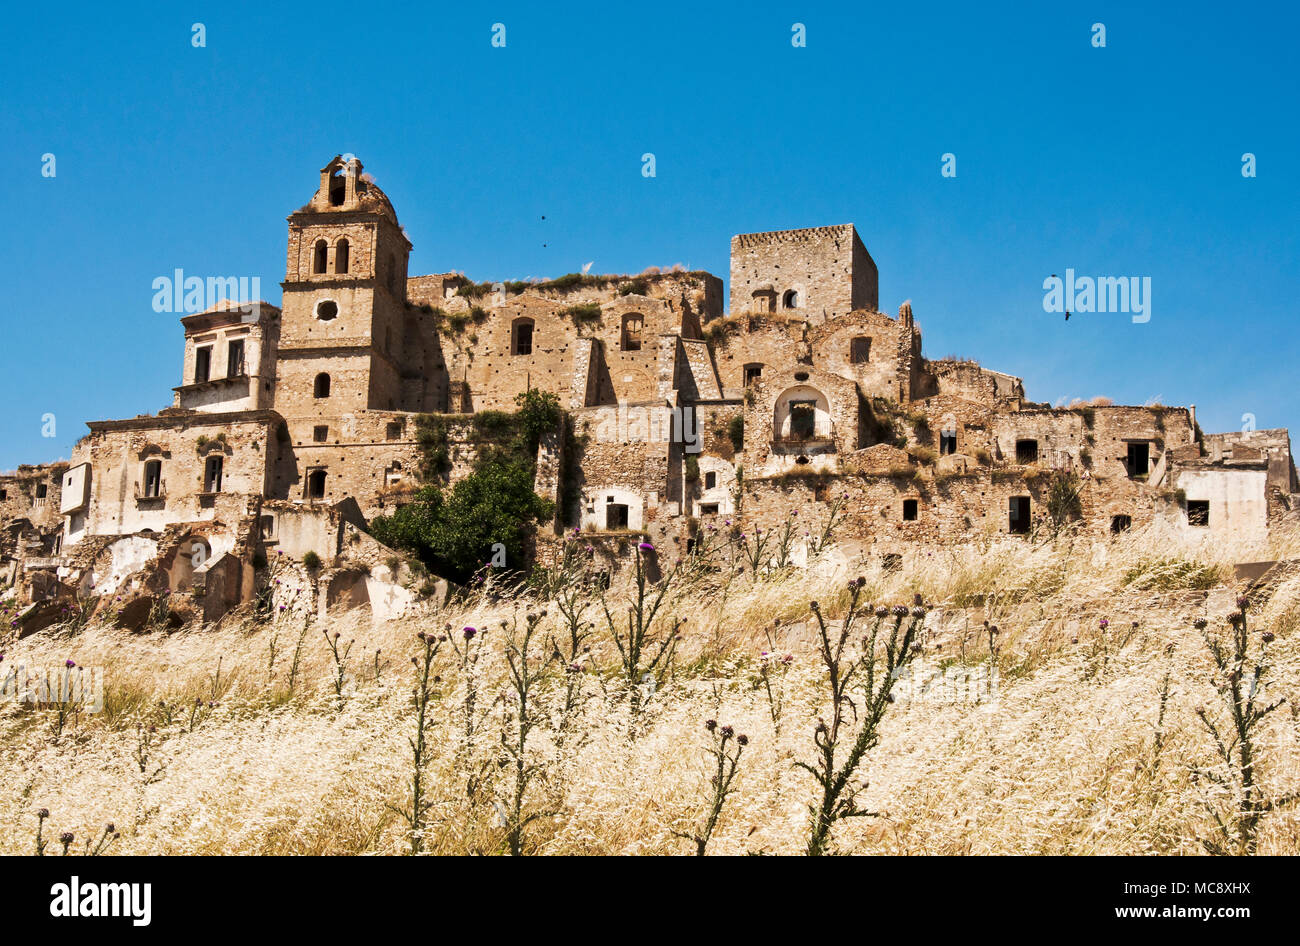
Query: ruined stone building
pixel 293 426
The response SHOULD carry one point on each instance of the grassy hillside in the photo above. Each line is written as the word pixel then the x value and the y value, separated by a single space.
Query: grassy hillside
pixel 1054 735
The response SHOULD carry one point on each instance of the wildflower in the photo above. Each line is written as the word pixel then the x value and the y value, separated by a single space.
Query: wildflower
pixel 1103 624
pixel 882 611
pixel 69 663
pixel 899 610
pixel 742 739
pixel 918 612
pixel 42 813
pixel 1243 603
pixel 1267 637
pixel 110 828
pixel 710 724
pixel 645 547
pixel 727 732
pixel 470 632
pixel 66 837
pixel 1200 624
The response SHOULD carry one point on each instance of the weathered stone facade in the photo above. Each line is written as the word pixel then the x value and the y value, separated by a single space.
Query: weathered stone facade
pixel 294 426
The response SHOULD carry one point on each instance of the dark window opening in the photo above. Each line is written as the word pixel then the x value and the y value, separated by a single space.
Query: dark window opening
pixel 393 431
pixel 212 470
pixel 521 342
pixel 752 373
pixel 710 480
pixel 319 256
pixel 1120 524
pixel 316 484
pixel 235 367
pixel 338 189
pixel 1026 451
pixel 709 509
pixel 860 350
pixel 947 442
pixel 202 364
pixel 268 526
pixel 631 333
pixel 1018 521
pixel 615 515
pixel 790 300
pixel 341 254
pixel 153 479
pixel 327 311
pixel 322 386
pixel 1139 459
pixel 320 434
pixel 42 490
pixel 4 494
pixel 1198 512
pixel 803 419
pixel 909 510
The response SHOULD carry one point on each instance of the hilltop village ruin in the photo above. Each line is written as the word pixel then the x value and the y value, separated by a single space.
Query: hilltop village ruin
pixel 292 427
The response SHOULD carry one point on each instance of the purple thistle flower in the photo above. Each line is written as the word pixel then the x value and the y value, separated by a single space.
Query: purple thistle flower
pixel 645 547
pixel 69 663
pixel 470 632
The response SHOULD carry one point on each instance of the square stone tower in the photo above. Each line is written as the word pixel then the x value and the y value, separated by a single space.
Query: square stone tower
pixel 344 299
pixel 818 273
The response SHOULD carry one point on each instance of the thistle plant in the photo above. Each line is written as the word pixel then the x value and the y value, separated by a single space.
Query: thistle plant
pixel 425 694
pixel 527 671
pixel 94 847
pixel 837 513
pixel 570 642
pixel 1241 665
pixel 468 646
pixel 724 757
pixel 785 541
pixel 860 680
pixel 772 671
pixel 645 648
pixel 339 652
pixel 755 552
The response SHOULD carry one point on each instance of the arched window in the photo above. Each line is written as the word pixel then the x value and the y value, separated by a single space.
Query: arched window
pixel 152 479
pixel 802 414
pixel 341 256
pixel 632 324
pixel 316 484
pixel 319 256
pixel 322 387
pixel 790 300
pixel 338 188
pixel 521 337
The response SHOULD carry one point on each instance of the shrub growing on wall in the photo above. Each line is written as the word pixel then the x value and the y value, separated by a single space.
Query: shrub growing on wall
pixel 454 531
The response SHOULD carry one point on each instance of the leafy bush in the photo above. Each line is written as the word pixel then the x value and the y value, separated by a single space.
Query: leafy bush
pixel 311 560
pixel 454 531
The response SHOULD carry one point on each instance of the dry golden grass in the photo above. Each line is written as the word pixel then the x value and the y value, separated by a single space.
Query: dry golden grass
pixel 1062 760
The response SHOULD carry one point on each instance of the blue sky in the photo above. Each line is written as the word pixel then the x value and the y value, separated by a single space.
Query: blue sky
pixel 1119 161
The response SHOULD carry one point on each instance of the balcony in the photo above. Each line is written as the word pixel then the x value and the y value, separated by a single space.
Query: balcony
pixel 146 495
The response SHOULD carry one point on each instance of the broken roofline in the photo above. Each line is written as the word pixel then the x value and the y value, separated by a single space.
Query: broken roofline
pixel 186 419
